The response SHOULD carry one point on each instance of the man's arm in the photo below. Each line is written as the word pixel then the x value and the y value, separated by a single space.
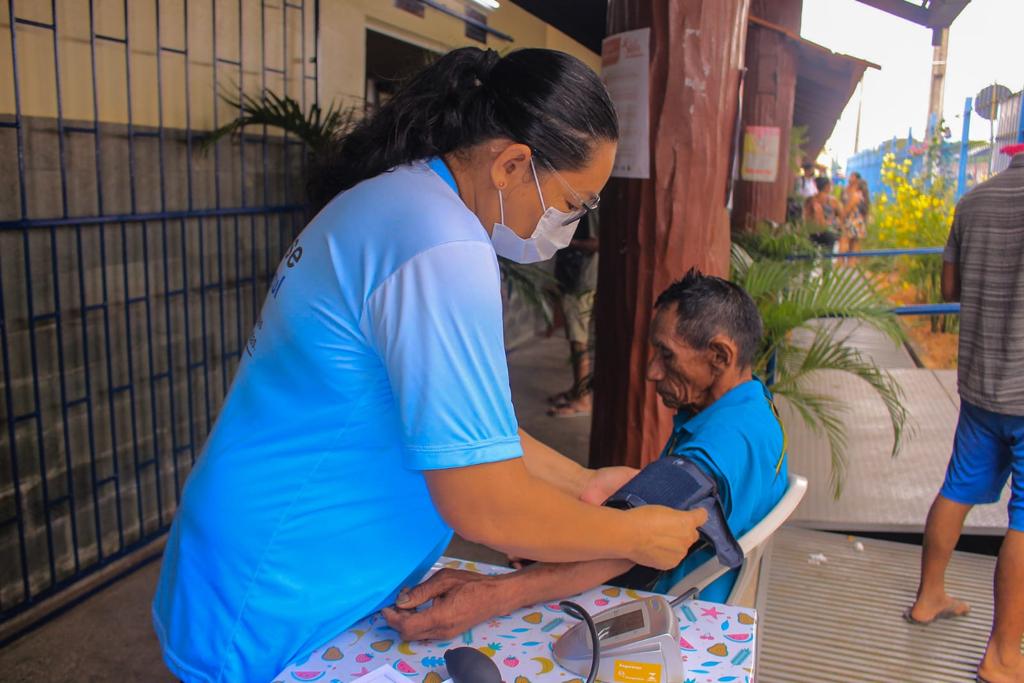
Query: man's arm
pixel 549 465
pixel 950 281
pixel 461 599
pixel 951 262
pixel 568 476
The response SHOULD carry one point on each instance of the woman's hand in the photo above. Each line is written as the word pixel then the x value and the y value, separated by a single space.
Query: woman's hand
pixel 664 535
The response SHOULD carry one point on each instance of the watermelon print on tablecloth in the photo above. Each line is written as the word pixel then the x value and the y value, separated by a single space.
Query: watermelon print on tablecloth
pixel 717 643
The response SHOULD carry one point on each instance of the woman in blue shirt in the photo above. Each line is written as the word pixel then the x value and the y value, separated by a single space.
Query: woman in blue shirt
pixel 371 413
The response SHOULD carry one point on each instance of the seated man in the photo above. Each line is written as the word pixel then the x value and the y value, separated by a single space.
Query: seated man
pixel 706 333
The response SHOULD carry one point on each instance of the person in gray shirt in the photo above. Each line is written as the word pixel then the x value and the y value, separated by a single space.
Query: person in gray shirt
pixel 983 268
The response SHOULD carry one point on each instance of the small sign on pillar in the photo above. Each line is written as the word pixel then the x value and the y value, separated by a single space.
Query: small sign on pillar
pixel 625 66
pixel 760 154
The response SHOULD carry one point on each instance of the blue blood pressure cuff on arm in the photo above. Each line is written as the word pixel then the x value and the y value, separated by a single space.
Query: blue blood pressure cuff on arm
pixel 681 484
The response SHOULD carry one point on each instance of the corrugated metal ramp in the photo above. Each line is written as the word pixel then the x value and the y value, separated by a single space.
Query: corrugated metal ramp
pixel 839 619
pixel 883 493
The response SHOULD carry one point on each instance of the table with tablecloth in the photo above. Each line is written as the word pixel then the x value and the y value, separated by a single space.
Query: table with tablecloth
pixel 717 642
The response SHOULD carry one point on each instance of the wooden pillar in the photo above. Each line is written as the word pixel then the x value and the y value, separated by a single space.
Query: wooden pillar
pixel 768 97
pixel 654 230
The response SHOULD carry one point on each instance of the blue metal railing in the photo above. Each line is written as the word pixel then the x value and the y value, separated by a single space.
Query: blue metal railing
pixel 913 309
pixel 121 323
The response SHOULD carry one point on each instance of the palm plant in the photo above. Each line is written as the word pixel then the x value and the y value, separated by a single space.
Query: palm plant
pixel 318 128
pixel 321 131
pixel 800 295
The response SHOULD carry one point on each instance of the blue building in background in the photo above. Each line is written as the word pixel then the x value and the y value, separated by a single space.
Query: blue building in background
pixel 963 164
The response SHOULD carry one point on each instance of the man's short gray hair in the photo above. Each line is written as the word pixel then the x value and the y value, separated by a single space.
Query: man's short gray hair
pixel 709 305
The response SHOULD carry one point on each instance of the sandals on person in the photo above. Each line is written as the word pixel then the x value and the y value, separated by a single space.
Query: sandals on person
pixel 948 613
pixel 567 410
pixel 562 399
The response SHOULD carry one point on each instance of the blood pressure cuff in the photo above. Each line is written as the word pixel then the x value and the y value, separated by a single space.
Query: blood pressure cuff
pixel 681 484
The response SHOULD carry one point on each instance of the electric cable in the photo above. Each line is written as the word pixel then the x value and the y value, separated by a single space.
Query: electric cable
pixel 574 610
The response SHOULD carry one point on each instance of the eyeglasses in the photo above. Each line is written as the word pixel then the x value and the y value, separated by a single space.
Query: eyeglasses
pixel 585 205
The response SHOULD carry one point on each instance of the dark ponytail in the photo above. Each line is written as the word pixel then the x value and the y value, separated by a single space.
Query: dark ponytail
pixel 545 99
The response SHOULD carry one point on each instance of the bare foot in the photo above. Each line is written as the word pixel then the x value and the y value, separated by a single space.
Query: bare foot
pixel 925 610
pixel 991 670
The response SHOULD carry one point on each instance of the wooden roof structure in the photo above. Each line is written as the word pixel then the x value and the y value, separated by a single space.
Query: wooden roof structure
pixel 825 82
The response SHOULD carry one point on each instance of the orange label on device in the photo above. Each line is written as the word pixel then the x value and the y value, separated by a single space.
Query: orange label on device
pixel 636 672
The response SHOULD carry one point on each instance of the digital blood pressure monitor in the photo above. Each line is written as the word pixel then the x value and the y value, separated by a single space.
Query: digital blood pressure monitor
pixel 639 642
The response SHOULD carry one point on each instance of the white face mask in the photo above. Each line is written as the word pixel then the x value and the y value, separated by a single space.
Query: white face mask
pixel 550 235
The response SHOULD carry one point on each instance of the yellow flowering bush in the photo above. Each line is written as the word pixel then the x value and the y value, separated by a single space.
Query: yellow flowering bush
pixel 918 213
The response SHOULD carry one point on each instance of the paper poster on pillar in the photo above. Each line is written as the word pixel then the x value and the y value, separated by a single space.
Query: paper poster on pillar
pixel 760 154
pixel 625 67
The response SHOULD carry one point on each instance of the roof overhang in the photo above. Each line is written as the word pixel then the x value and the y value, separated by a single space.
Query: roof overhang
pixel 825 82
pixel 933 14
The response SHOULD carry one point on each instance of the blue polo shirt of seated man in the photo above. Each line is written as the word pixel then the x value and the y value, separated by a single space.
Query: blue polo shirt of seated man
pixel 738 441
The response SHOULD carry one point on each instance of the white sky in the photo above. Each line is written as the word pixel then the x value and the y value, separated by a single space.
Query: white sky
pixel 984 45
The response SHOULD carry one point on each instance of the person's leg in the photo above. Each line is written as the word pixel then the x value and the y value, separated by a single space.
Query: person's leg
pixel 844 247
pixel 577 324
pixel 570 312
pixel 1002 660
pixel 941 533
pixel 580 367
pixel 977 471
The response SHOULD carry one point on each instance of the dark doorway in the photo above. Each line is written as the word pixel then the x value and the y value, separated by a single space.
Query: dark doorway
pixel 389 61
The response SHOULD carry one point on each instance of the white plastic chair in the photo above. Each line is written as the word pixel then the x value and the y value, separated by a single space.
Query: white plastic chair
pixel 753 543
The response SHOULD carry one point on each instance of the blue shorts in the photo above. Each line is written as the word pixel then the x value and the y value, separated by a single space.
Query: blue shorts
pixel 987 449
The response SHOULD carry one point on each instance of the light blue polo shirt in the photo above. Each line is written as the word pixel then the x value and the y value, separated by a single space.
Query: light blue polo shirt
pixel 378 354
pixel 738 441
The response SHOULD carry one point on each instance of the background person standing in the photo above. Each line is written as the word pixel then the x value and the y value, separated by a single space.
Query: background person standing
pixel 984 269
pixel 576 274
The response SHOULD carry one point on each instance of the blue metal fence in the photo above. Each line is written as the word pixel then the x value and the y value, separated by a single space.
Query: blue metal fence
pixel 911 309
pixel 869 162
pixel 131 266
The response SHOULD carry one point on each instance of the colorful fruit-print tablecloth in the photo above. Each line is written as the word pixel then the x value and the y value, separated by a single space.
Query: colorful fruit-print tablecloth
pixel 718 642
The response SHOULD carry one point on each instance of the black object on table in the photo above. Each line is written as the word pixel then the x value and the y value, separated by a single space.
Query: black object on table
pixel 466 665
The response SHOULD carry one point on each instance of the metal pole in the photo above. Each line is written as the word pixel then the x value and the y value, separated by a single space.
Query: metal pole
pixel 1020 122
pixel 860 108
pixel 961 180
pixel 940 43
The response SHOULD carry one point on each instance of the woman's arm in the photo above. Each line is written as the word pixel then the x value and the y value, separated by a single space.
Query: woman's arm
pixel 852 201
pixel 505 507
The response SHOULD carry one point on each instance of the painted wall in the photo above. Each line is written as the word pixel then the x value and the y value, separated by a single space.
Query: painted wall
pixel 343 27
pixel 248 35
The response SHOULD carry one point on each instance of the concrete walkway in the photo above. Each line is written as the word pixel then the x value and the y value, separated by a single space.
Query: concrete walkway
pixel 882 493
pixel 108 637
